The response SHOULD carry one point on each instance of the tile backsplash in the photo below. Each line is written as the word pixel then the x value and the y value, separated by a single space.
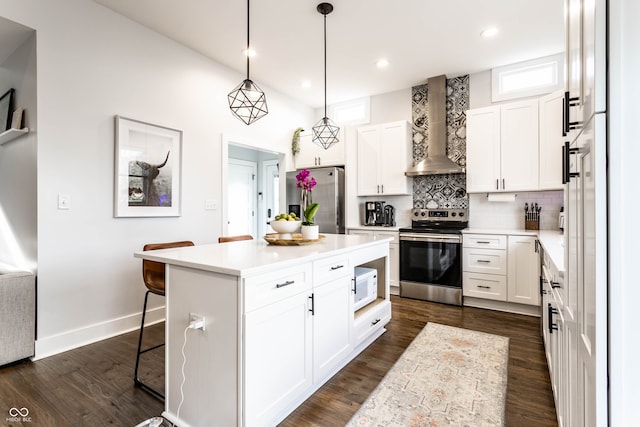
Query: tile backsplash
pixel 441 191
pixel 510 215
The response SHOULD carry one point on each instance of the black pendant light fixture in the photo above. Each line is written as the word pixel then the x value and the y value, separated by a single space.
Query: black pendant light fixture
pixel 247 101
pixel 325 132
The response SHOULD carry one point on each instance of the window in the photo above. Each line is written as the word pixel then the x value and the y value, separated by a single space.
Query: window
pixel 529 78
pixel 355 112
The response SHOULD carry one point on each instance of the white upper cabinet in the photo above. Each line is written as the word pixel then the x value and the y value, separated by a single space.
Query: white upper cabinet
pixel 502 148
pixel 551 141
pixel 312 155
pixel 383 158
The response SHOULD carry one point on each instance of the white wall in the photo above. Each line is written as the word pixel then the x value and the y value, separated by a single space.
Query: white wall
pixel 92 65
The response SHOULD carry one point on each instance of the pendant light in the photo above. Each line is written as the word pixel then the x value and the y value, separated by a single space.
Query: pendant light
pixel 325 132
pixel 247 101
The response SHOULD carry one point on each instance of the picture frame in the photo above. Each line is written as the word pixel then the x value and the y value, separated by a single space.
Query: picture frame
pixel 148 168
pixel 6 110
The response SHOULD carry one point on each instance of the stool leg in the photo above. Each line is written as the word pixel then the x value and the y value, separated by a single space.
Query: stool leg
pixel 136 379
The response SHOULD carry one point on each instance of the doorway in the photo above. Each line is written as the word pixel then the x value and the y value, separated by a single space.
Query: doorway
pixel 241 206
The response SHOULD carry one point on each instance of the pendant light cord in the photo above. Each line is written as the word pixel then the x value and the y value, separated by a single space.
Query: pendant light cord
pixel 248 45
pixel 325 65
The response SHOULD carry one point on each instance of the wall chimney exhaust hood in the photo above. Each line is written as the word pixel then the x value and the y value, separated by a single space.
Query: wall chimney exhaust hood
pixel 436 162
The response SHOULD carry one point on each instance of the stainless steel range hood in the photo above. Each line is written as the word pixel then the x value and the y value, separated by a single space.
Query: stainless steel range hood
pixel 436 162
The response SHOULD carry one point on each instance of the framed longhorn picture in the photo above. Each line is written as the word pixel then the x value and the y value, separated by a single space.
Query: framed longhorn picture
pixel 148 162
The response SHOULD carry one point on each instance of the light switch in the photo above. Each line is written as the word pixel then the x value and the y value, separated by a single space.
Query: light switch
pixel 64 201
pixel 210 205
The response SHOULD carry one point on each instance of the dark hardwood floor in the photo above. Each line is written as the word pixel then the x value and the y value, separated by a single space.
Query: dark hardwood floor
pixel 93 385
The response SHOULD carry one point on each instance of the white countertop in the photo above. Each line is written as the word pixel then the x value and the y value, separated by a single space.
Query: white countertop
pixel 249 257
pixel 552 241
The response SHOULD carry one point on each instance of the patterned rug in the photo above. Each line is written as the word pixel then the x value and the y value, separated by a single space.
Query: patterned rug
pixel 446 377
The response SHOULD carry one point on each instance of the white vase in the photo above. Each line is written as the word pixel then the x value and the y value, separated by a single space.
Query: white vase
pixel 310 232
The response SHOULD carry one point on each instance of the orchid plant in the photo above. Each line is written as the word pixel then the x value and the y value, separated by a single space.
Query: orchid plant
pixel 305 182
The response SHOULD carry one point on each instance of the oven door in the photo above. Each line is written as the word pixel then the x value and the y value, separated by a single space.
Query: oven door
pixel 430 266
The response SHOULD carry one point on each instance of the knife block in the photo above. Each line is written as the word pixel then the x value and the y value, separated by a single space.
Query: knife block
pixel 532 224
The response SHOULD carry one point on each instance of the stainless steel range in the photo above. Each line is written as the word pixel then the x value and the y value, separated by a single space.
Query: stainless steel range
pixel 431 255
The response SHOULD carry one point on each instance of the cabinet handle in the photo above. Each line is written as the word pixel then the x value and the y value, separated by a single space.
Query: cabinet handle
pixel 555 284
pixel 319 161
pixel 484 287
pixel 484 242
pixel 568 103
pixel 287 283
pixel 382 188
pixel 374 322
pixel 551 311
pixel 312 309
pixel 353 279
pixel 503 187
pixel 497 184
pixel 484 261
pixel 337 267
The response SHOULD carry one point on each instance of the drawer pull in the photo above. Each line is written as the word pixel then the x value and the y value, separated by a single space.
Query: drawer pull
pixel 374 322
pixel 287 283
pixel 484 242
pixel 484 287
pixel 337 267
pixel 484 261
pixel 555 284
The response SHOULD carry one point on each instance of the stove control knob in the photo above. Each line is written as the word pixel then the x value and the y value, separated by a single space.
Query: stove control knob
pixel 453 214
pixel 461 214
pixel 423 213
pixel 416 213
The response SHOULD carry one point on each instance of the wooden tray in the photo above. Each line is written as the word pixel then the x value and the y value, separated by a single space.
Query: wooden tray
pixel 296 240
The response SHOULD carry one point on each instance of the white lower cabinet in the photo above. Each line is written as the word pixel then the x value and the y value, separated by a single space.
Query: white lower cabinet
pixel 394 252
pixel 332 325
pixel 501 268
pixel 278 357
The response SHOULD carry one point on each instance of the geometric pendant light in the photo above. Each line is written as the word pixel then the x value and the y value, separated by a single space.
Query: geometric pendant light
pixel 247 101
pixel 325 132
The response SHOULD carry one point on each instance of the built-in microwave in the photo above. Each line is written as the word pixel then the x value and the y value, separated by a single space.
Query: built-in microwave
pixel 365 287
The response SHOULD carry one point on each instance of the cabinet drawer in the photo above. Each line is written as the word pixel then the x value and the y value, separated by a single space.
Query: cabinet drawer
pixel 371 320
pixel 393 234
pixel 328 269
pixel 487 286
pixel 486 241
pixel 266 289
pixel 491 261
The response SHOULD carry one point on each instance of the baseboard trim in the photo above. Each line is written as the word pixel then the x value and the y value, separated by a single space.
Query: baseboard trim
pixel 509 307
pixel 56 344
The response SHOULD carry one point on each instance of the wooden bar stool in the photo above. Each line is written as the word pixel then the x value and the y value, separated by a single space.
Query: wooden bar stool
pixel 224 239
pixel 153 275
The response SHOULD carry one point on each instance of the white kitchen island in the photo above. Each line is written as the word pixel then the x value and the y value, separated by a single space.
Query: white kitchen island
pixel 279 323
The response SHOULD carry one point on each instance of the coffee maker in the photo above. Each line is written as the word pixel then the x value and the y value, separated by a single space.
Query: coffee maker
pixel 374 213
pixel 389 216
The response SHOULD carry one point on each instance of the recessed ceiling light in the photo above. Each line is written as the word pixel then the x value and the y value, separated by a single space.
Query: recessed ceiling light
pixel 382 63
pixel 489 32
pixel 249 52
pixel 306 84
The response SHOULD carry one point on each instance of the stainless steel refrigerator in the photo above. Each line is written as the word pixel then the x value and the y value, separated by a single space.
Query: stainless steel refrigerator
pixel 328 192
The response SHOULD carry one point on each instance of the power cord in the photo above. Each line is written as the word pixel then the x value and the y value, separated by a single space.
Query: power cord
pixel 194 324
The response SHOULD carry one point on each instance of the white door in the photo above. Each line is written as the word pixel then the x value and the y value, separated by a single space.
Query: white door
pixel 271 191
pixel 242 192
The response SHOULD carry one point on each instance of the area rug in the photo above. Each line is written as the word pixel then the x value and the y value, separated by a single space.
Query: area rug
pixel 446 377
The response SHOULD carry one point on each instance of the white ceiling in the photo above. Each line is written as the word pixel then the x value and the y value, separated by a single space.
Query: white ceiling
pixel 420 38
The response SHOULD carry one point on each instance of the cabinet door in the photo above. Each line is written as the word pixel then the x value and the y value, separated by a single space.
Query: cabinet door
pixel 368 142
pixel 277 357
pixel 334 155
pixel 332 325
pixel 574 55
pixel 308 155
pixel 483 149
pixel 523 271
pixel 393 158
pixel 519 146
pixel 551 141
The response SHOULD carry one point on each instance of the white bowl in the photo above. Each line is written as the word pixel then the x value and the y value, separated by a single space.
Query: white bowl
pixel 285 227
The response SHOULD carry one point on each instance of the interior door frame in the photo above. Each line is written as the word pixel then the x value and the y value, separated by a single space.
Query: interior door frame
pixel 224 172
pixel 255 227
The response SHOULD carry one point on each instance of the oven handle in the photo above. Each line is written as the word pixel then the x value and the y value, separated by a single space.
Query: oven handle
pixel 425 237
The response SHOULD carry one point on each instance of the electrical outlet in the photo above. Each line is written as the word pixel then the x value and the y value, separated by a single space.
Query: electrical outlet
pixel 210 205
pixel 197 321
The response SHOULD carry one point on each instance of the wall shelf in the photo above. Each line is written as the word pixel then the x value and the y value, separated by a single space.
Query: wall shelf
pixel 11 134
